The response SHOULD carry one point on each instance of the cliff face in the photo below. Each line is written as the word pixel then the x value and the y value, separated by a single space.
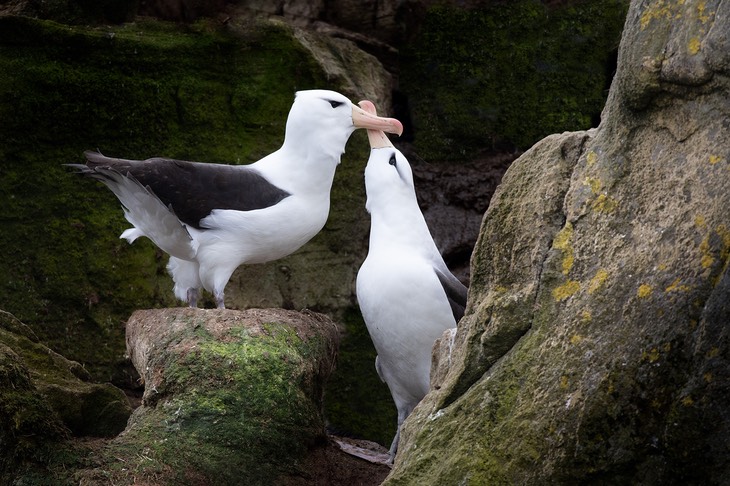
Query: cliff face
pixel 595 346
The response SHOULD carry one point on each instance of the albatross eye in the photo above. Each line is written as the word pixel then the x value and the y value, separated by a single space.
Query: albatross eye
pixel 392 160
pixel 334 104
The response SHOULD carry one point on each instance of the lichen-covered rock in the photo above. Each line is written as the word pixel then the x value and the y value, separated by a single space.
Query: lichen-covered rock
pixel 595 348
pixel 231 397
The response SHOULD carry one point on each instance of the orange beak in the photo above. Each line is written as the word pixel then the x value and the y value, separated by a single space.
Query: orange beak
pixel 377 138
pixel 364 119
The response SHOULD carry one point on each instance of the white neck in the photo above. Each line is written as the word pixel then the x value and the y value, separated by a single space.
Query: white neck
pixel 399 222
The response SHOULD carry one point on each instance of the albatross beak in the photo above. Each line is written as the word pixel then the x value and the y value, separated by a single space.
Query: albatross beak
pixel 363 119
pixel 377 138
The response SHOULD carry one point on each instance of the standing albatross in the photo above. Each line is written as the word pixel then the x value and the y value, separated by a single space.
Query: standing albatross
pixel 407 295
pixel 211 218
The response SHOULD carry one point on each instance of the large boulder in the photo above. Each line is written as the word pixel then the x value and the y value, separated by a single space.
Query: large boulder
pixel 231 397
pixel 595 347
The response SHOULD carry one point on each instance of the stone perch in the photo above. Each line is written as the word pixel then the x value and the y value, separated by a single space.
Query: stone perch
pixel 231 397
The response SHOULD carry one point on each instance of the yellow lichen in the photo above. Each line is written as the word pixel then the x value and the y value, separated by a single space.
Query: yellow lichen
pixel 708 377
pixel 564 382
pixel 700 221
pixel 660 9
pixel 604 204
pixel 707 260
pixel 661 267
pixel 701 14
pixel 713 352
pixel 576 338
pixel 652 356
pixel 714 159
pixel 644 291
pixel 568 261
pixel 694 45
pixel 725 235
pixel 566 290
pixel 676 287
pixel 591 158
pixel 562 242
pixel 687 401
pixel 593 183
pixel 586 316
pixel 598 279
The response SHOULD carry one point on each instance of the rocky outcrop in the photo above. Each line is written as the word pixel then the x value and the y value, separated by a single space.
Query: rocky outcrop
pixel 231 397
pixel 595 347
pixel 45 399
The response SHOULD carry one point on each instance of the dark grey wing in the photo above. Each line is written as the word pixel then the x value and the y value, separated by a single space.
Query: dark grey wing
pixel 193 189
pixel 455 292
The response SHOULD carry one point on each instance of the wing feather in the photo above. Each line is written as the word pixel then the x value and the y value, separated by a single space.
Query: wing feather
pixel 192 189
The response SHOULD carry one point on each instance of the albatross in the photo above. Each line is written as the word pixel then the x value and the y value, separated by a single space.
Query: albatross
pixel 212 218
pixel 407 295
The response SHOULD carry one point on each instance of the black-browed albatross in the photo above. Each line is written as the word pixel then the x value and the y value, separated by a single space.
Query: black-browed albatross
pixel 407 295
pixel 211 218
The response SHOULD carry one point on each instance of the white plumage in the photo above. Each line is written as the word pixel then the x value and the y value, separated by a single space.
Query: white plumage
pixel 211 218
pixel 407 295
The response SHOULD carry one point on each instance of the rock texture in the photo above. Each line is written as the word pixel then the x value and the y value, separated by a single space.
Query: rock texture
pixel 45 399
pixel 595 348
pixel 231 397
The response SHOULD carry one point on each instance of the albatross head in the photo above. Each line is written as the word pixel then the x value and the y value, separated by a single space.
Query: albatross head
pixel 388 175
pixel 326 119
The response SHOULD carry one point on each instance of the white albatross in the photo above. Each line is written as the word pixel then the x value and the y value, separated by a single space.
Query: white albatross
pixel 211 218
pixel 407 295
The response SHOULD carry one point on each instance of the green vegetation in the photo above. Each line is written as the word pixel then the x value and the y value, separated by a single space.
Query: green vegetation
pixel 356 401
pixel 509 74
pixel 231 409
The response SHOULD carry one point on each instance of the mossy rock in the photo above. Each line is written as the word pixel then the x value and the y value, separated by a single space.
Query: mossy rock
pixel 83 407
pixel 44 402
pixel 506 75
pixel 232 397
pixel 595 347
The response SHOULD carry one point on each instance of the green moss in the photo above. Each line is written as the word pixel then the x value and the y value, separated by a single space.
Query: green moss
pixel 232 410
pixel 84 408
pixel 508 74
pixel 138 90
pixel 30 430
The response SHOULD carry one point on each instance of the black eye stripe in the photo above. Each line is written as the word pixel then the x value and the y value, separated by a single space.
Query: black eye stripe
pixel 392 160
pixel 334 104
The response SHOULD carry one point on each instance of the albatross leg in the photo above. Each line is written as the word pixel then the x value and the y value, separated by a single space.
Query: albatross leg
pixel 187 282
pixel 394 446
pixel 218 294
pixel 192 297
